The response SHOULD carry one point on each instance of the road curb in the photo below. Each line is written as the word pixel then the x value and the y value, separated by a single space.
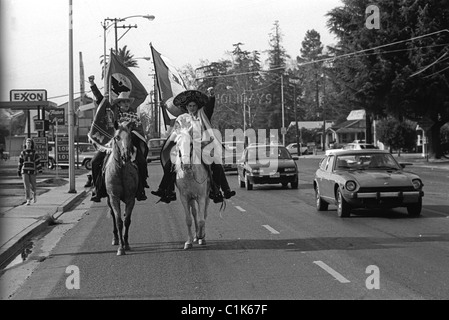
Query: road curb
pixel 69 204
pixel 11 249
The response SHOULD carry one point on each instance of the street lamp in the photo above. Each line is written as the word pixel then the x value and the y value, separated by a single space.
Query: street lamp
pixel 106 26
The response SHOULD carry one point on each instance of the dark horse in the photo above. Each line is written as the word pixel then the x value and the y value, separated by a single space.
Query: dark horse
pixel 121 180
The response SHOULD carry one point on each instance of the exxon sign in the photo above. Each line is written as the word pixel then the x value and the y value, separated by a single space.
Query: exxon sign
pixel 28 95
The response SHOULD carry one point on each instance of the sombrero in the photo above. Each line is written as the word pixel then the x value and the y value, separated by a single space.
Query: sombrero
pixel 183 98
pixel 123 96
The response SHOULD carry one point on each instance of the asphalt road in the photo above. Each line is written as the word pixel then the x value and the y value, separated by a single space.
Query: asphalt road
pixel 268 244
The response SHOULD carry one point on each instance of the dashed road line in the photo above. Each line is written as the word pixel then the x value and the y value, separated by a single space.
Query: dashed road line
pixel 332 272
pixel 240 209
pixel 273 231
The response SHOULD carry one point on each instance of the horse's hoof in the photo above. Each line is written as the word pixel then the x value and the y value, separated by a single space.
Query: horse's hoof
pixel 202 242
pixel 115 242
pixel 121 252
pixel 188 246
pixel 127 247
pixel 195 240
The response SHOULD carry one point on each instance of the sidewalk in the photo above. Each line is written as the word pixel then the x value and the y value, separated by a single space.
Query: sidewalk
pixel 21 223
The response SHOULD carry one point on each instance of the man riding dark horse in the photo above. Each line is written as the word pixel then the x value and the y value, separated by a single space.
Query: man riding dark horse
pixel 119 110
pixel 191 101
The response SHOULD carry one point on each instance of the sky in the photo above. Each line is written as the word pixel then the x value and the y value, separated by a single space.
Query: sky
pixel 35 35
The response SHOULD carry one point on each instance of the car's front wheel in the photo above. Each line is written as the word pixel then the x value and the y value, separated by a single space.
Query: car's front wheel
pixel 88 164
pixel 343 208
pixel 295 184
pixel 414 210
pixel 321 205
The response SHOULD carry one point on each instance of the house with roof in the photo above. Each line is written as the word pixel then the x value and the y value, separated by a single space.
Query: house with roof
pixel 354 128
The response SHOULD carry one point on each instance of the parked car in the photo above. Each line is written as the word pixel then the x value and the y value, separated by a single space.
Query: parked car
pixel 233 151
pixel 353 146
pixel 369 178
pixel 267 164
pixel 154 149
pixel 293 149
pixel 84 152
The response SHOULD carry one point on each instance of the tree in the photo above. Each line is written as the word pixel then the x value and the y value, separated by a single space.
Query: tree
pixel 397 134
pixel 402 77
pixel 277 57
pixel 124 56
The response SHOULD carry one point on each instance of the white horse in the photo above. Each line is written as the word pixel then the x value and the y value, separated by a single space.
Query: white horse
pixel 193 183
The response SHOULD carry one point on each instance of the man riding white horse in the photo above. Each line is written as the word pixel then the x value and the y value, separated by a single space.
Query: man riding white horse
pixel 197 110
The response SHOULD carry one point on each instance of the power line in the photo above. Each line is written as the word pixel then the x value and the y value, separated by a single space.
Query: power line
pixel 341 56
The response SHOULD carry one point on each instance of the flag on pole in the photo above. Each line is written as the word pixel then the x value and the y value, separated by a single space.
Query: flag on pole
pixel 121 79
pixel 118 79
pixel 169 84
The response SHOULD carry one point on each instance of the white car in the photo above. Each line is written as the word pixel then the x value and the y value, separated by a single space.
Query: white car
pixel 293 149
pixel 353 146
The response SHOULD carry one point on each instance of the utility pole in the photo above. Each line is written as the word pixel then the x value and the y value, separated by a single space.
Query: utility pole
pixel 283 116
pixel 70 106
pixel 296 121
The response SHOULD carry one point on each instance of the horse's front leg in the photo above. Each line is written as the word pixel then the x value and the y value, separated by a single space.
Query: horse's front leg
pixel 115 203
pixel 189 243
pixel 114 230
pixel 128 211
pixel 194 213
pixel 202 213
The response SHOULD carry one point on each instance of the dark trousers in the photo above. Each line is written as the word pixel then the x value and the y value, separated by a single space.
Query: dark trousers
pixel 218 177
pixel 97 167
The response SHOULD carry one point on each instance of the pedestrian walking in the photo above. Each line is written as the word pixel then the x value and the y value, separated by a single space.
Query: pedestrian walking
pixel 29 166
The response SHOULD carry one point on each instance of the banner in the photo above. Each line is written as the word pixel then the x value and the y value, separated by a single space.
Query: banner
pixel 169 84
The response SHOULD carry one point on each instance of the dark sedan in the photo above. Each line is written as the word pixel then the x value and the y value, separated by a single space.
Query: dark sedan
pixel 267 164
pixel 366 179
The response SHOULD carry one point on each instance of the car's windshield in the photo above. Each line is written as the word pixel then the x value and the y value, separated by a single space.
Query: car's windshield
pixel 268 152
pixel 367 161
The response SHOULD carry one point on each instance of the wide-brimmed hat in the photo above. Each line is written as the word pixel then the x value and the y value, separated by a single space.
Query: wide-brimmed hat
pixel 183 98
pixel 123 96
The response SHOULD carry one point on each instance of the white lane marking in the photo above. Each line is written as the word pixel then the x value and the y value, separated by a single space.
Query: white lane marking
pixel 273 231
pixel 240 209
pixel 332 272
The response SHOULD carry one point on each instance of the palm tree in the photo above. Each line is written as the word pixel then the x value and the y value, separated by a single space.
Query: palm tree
pixel 124 56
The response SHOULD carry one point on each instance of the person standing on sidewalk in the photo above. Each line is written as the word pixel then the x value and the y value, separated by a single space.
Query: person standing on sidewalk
pixel 29 166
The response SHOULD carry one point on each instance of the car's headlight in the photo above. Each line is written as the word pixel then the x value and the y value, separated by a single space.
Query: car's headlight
pixel 417 184
pixel 350 185
pixel 290 169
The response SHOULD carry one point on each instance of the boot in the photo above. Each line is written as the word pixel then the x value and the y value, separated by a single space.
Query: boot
pixel 89 181
pixel 228 194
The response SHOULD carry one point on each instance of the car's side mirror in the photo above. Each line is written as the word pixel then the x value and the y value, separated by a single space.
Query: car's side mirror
pixel 404 164
pixel 295 158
